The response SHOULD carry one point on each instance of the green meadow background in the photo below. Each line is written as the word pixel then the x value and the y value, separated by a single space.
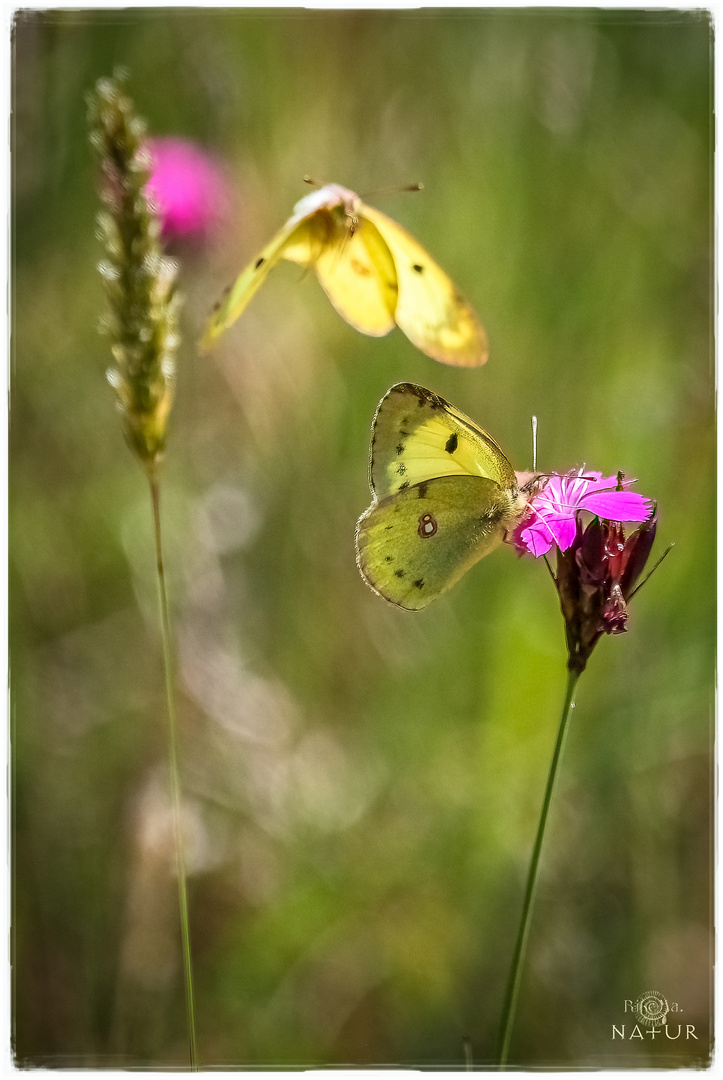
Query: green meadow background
pixel 362 784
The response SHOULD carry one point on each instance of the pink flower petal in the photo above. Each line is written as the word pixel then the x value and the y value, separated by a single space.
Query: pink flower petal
pixel 534 538
pixel 553 510
pixel 618 505
pixel 563 529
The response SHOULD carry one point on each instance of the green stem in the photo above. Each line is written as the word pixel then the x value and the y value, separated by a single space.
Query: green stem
pixel 513 986
pixel 174 773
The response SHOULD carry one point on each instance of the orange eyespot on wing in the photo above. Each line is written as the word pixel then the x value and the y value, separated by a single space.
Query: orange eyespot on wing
pixel 427 526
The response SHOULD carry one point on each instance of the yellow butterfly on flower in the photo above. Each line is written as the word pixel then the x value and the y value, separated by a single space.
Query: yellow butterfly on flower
pixel 443 496
pixel 375 274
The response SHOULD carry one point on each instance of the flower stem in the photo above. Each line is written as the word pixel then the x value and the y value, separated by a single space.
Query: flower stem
pixel 174 773
pixel 515 979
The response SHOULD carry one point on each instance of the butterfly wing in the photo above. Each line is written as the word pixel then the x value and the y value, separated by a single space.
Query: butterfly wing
pixel 430 310
pixel 414 545
pixel 417 436
pixel 354 267
pixel 301 235
pixel 358 275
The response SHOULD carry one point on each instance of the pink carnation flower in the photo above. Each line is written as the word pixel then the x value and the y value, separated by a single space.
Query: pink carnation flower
pixel 553 510
pixel 188 187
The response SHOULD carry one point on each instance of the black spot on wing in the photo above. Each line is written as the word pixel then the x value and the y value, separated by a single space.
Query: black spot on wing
pixel 399 573
pixel 424 396
pixel 400 448
pixel 422 488
pixel 259 262
pixel 418 268
pixel 401 488
pixel 452 442
pixel 401 468
pixel 224 294
pixel 419 583
pixel 388 558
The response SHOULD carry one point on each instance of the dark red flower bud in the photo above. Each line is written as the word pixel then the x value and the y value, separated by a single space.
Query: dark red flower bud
pixel 615 613
pixel 637 550
pixel 595 578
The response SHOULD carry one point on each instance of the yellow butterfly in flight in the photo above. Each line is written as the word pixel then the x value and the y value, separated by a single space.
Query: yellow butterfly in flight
pixel 374 273
pixel 444 495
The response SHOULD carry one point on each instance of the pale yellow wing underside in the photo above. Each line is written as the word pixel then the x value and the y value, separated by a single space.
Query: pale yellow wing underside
pixel 413 546
pixel 374 273
pixel 295 235
pixel 417 436
pixel 430 309
pixel 358 275
pixel 354 268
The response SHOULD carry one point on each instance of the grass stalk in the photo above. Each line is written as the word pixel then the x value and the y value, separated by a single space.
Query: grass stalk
pixel 518 959
pixel 174 771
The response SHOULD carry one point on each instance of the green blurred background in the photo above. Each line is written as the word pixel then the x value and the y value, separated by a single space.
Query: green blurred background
pixel 362 785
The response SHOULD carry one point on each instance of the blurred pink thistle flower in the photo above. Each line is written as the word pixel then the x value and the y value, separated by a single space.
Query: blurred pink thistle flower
pixel 188 186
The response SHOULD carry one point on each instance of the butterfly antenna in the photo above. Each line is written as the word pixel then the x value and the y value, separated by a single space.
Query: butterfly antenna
pixel 312 181
pixel 534 444
pixel 394 190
